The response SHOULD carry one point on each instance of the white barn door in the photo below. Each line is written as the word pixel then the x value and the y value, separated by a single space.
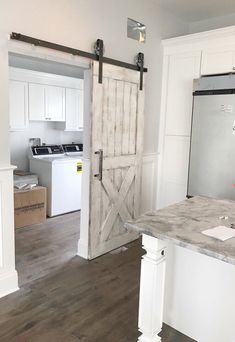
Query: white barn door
pixel 117 123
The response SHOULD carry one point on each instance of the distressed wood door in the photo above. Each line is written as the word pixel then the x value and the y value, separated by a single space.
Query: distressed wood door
pixel 117 123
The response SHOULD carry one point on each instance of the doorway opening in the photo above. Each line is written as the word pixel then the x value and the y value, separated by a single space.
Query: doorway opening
pixel 46 102
pixel 112 137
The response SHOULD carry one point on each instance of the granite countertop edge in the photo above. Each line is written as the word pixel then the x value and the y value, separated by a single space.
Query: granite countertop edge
pixel 180 243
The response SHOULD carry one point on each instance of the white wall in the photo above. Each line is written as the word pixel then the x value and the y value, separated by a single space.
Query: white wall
pixel 213 23
pixel 19 141
pixel 78 23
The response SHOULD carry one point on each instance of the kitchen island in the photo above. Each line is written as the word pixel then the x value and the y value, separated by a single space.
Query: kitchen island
pixel 187 278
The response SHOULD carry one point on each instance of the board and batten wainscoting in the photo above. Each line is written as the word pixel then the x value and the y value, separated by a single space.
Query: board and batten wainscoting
pixel 149 182
pixel 8 274
pixel 185 58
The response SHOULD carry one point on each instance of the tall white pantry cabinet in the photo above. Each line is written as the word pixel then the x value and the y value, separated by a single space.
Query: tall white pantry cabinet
pixel 184 59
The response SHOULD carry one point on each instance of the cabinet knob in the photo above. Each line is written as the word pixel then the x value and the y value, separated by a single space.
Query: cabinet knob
pixel 234 68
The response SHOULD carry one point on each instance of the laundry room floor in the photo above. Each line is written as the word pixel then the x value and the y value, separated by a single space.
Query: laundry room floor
pixel 42 248
pixel 63 298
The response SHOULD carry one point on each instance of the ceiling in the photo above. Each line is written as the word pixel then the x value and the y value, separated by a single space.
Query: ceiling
pixel 196 10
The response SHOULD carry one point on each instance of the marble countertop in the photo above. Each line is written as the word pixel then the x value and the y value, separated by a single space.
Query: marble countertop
pixel 182 224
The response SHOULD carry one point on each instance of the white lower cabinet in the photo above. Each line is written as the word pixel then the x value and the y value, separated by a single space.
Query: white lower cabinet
pixel 18 105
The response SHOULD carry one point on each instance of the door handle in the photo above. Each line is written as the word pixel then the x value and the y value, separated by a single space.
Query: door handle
pixel 100 174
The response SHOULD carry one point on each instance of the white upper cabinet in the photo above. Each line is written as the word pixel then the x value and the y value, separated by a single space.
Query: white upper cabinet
pixel 182 69
pixel 49 98
pixel 80 110
pixel 46 102
pixel 54 103
pixel 73 109
pixel 18 105
pixel 218 60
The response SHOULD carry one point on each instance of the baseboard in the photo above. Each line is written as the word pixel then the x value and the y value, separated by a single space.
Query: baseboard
pixel 82 249
pixel 149 339
pixel 8 283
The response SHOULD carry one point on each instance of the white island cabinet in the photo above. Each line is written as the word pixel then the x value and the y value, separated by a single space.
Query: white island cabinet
pixel 187 278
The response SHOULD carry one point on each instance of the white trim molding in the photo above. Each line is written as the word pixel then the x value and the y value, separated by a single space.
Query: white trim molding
pixel 199 41
pixel 83 241
pixel 152 283
pixel 8 274
pixel 224 32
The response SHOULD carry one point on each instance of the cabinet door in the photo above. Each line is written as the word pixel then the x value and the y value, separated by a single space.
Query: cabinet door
pixel 80 109
pixel 73 109
pixel 182 70
pixel 18 105
pixel 36 102
pixel 179 72
pixel 55 103
pixel 218 61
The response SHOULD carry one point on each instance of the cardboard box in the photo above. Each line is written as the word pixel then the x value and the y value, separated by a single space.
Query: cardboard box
pixel 30 206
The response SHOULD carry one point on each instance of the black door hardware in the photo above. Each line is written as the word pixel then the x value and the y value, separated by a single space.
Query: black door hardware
pixel 98 55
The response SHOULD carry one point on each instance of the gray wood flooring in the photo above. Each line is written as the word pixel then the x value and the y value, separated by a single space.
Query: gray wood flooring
pixel 64 298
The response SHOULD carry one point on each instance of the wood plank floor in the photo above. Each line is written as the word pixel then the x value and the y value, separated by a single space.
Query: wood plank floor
pixel 64 298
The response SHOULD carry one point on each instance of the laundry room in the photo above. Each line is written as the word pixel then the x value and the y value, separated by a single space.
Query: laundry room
pixel 46 105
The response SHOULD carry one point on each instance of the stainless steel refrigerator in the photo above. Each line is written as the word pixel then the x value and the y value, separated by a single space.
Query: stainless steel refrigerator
pixel 212 148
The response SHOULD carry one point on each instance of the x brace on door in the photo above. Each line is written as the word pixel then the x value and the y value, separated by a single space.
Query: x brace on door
pixel 118 201
pixel 98 54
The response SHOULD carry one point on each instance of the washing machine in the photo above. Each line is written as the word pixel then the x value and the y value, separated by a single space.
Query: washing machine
pixel 59 169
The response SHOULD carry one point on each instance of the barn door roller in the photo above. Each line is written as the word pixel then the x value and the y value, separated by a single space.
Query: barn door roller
pixel 99 51
pixel 98 54
pixel 140 64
